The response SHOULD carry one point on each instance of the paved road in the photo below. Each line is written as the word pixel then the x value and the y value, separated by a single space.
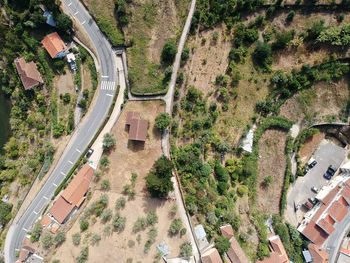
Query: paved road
pixel 82 136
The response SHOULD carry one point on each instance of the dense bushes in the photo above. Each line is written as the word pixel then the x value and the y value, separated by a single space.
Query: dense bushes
pixel 112 32
pixel 262 55
pixel 168 52
pixel 335 35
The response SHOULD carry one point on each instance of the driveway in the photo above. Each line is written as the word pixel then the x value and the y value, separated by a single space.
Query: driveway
pixel 327 154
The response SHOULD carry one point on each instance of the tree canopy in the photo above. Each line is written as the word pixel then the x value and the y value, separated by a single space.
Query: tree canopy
pixel 163 121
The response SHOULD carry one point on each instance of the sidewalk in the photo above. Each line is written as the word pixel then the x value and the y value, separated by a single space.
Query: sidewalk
pixel 97 146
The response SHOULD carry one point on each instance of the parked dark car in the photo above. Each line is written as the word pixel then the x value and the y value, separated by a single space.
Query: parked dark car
pixel 89 153
pixel 330 172
pixel 312 163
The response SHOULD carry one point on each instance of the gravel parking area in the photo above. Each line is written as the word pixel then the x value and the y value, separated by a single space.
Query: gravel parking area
pixel 327 154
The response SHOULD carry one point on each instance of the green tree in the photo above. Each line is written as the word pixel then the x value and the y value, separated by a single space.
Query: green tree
pixel 46 240
pixel 175 227
pixel 162 121
pixel 222 244
pixel 262 55
pixel 118 223
pixel 104 162
pixel 158 180
pixel 84 225
pixel 64 22
pixel 105 185
pixel 5 212
pixel 76 239
pixel 108 142
pixel 84 255
pixel 168 52
pixel 120 203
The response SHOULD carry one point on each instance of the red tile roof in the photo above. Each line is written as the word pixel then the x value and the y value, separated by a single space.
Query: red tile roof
pixel 61 209
pixel 314 233
pixel 278 253
pixel 318 255
pixel 346 194
pixel 132 115
pixel 53 44
pixel 77 188
pixel 138 130
pixel 227 231
pixel 45 221
pixel 28 73
pixel 326 226
pixel 211 256
pixel 337 211
pixel 235 252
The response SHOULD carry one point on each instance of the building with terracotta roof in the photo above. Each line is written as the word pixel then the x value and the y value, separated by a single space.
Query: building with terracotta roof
pixel 278 253
pixel 235 252
pixel 28 73
pixel 333 207
pixel 138 130
pixel 73 196
pixel 227 231
pixel 318 255
pixel 211 256
pixel 54 45
pixel 130 116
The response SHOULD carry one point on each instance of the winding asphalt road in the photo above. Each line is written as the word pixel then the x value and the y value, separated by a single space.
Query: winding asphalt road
pixel 83 134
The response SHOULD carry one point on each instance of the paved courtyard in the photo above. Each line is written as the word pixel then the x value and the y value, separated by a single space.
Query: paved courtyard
pixel 327 154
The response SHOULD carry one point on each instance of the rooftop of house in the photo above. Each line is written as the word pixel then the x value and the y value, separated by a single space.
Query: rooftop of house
pixel 226 231
pixel 235 252
pixel 138 130
pixel 53 44
pixel 322 220
pixel 278 253
pixel 61 209
pixel 318 255
pixel 28 72
pixel 132 115
pixel 77 188
pixel 211 256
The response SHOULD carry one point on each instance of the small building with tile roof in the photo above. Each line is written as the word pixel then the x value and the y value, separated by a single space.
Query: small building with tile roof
pixel 211 256
pixel 54 45
pixel 28 73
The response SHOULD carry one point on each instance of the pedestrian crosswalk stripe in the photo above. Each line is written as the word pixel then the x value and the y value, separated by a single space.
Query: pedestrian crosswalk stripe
pixel 108 85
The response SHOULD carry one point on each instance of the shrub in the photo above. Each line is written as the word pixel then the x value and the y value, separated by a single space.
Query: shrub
pixel 105 185
pixel 84 225
pixel 36 232
pixel 186 250
pixel 242 190
pixel 290 16
pixel 46 240
pixel 175 227
pixel 182 232
pixel 106 215
pixel 5 212
pixel 222 244
pixel 282 39
pixel 139 225
pixel 76 239
pixel 84 255
pixel 120 203
pixel 59 238
pixel 104 162
pixel 95 239
pixel 162 121
pixel 118 223
pixel 151 218
pixel 108 142
pixel 168 52
pixel 267 181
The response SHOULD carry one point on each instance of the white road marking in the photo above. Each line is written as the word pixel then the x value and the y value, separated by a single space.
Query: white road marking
pixel 107 85
pixel 35 212
pixel 70 4
pixel 76 13
pixel 46 198
pixel 55 185
pixel 25 229
pixel 70 162
pixel 83 22
pixel 63 173
pixel 78 150
pixel 109 95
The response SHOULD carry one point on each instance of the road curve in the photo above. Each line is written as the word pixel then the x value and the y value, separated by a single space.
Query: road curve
pixel 82 135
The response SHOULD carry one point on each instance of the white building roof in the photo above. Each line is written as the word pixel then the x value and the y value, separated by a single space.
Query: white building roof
pixel 70 57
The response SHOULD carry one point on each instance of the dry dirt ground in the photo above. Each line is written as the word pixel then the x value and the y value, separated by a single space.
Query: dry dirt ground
pixel 124 160
pixel 272 162
pixel 318 103
pixel 310 146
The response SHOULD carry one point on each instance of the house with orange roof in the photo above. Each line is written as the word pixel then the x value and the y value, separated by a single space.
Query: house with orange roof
pixel 318 255
pixel 211 256
pixel 28 73
pixel 278 253
pixel 54 45
pixel 73 196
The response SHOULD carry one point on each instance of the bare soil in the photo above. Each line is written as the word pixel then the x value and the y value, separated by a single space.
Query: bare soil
pixel 310 146
pixel 272 162
pixel 317 104
pixel 64 83
pixel 126 159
